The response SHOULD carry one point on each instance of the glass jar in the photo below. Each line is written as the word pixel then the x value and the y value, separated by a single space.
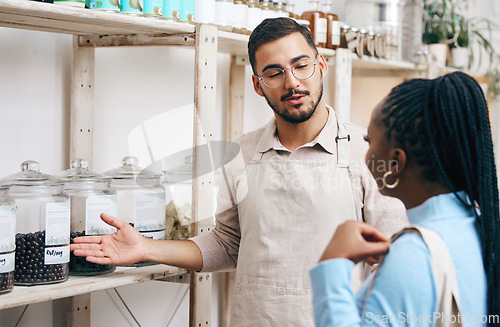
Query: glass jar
pixel 280 9
pixel 254 15
pixel 178 197
pixel 266 6
pixel 140 198
pixel 90 196
pixel 43 226
pixel 8 211
pixel 239 16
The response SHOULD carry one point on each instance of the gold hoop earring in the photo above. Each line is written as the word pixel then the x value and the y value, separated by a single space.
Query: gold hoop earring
pixel 385 182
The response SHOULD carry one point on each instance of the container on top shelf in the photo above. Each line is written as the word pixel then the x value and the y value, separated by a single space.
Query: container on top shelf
pixel 43 226
pixel 254 15
pixel 267 10
pixel 223 10
pixel 104 5
pixel 400 21
pixel 239 16
pixel 280 9
pixel 8 211
pixel 187 12
pixel 171 10
pixel 90 195
pixel 332 26
pixel 317 23
pixel 205 11
pixel 152 8
pixel 132 7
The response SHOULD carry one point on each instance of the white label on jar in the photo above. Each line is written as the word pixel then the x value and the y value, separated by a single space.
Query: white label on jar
pixel 57 223
pixel 56 255
pixel 159 235
pixel 150 211
pixel 321 24
pixel 204 11
pixel 7 262
pixel 7 228
pixel 95 205
pixel 335 32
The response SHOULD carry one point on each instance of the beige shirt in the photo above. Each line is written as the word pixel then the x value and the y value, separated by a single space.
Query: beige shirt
pixel 219 248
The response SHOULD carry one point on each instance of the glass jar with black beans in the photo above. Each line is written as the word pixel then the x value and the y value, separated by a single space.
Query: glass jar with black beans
pixel 43 223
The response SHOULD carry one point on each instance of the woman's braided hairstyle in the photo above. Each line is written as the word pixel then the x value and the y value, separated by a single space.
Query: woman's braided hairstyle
pixel 443 125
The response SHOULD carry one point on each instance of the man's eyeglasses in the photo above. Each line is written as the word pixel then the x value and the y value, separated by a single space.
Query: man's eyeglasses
pixel 275 77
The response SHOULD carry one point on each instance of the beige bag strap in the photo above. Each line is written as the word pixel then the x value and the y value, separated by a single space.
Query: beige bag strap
pixel 444 273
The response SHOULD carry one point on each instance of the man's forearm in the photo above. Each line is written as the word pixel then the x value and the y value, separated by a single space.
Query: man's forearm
pixel 179 253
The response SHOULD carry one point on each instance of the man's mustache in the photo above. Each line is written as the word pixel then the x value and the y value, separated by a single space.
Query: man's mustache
pixel 293 92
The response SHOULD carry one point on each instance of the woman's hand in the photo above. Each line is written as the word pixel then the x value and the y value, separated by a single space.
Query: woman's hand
pixel 125 246
pixel 356 241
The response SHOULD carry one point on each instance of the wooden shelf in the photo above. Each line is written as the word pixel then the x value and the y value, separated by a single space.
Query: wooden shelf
pixel 77 285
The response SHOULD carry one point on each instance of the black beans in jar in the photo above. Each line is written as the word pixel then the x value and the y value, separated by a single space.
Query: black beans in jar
pixel 79 266
pixel 30 262
pixel 6 281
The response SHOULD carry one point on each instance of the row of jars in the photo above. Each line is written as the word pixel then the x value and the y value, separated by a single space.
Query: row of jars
pixel 377 42
pixel 40 214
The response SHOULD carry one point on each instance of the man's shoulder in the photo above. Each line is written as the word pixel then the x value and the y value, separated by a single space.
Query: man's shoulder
pixel 248 142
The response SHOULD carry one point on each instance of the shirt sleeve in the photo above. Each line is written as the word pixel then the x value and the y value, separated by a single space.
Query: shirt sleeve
pixel 403 293
pixel 219 249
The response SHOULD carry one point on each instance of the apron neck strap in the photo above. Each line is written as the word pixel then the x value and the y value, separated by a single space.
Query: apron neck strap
pixel 342 141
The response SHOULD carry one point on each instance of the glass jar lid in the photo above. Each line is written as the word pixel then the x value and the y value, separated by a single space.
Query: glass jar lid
pixel 182 173
pixel 30 175
pixel 130 170
pixel 79 172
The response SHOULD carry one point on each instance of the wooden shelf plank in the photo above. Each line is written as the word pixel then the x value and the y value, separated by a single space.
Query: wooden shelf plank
pixel 81 21
pixel 77 285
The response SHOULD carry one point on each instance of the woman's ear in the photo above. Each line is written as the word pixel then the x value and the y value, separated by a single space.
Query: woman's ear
pixel 398 161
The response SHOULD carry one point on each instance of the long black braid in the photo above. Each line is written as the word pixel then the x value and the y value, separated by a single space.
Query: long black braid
pixel 444 127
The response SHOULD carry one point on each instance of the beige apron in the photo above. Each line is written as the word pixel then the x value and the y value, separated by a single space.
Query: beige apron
pixel 444 274
pixel 288 211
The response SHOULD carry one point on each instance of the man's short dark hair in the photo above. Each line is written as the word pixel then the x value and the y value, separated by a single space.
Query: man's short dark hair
pixel 272 29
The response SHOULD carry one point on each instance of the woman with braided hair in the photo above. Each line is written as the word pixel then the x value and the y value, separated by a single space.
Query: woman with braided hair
pixel 429 146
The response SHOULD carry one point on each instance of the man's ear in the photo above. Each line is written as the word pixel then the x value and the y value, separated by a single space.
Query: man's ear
pixel 256 85
pixel 322 65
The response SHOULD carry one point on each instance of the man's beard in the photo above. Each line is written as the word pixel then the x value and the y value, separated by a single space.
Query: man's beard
pixel 303 116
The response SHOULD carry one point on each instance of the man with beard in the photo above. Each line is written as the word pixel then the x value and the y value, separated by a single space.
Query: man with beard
pixel 295 180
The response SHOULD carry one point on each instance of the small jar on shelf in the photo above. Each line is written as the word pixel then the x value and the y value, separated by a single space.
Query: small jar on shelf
pixel 8 211
pixel 90 196
pixel 43 226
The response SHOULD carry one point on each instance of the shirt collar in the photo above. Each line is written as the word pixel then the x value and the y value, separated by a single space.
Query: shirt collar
pixel 439 206
pixel 326 138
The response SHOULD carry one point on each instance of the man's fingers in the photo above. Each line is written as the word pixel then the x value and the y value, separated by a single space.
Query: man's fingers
pixel 376 248
pixel 99 260
pixel 110 220
pixel 87 239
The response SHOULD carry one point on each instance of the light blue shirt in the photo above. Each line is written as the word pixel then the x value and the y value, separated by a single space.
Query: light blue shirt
pixel 404 292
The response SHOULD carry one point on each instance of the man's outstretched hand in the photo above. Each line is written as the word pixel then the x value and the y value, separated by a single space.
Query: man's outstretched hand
pixel 125 246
